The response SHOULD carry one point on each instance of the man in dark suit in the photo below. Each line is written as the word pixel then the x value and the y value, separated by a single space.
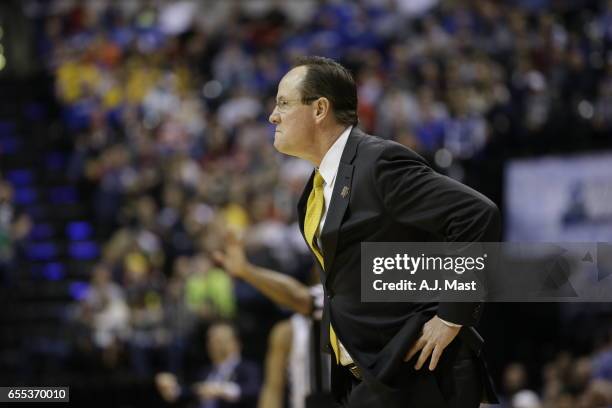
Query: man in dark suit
pixel 366 189
pixel 229 382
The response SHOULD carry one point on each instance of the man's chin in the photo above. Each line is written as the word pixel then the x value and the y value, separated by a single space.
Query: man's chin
pixel 284 148
pixel 279 146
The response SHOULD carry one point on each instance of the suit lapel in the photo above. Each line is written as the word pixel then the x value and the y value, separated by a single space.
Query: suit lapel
pixel 335 214
pixel 339 201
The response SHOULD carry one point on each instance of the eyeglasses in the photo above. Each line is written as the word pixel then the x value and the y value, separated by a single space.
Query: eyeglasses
pixel 283 105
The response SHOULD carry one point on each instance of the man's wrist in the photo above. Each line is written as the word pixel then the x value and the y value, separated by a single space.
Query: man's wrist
pixel 450 324
pixel 245 271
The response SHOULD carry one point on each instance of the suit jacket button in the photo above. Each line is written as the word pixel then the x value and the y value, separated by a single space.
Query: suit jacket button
pixel 330 294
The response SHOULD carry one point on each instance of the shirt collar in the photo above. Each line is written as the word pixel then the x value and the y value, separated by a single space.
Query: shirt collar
pixel 331 161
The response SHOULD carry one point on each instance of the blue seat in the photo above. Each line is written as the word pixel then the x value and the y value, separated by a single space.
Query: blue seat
pixel 78 290
pixel 54 271
pixel 84 250
pixel 25 195
pixel 41 251
pixel 20 177
pixel 79 230
pixel 9 145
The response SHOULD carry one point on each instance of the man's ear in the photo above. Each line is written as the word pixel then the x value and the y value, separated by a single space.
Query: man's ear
pixel 322 107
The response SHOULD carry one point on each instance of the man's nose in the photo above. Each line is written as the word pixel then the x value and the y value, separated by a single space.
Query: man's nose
pixel 274 117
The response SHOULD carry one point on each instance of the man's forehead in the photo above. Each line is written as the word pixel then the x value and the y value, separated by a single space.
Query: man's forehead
pixel 289 86
pixel 222 329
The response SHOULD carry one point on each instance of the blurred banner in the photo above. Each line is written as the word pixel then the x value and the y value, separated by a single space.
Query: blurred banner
pixel 559 199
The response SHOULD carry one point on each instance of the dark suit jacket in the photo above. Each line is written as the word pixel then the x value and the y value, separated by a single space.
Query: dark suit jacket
pixel 393 195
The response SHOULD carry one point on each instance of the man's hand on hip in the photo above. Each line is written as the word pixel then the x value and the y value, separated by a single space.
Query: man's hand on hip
pixel 435 337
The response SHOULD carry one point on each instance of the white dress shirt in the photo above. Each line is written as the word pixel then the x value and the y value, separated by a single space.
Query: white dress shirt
pixel 328 170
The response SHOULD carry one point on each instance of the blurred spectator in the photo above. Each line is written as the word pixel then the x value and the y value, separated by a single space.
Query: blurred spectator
pixel 209 291
pixel 6 218
pixel 526 399
pixel 179 320
pixel 513 382
pixel 602 363
pixel 143 288
pixel 105 314
pixel 229 382
pixel 14 229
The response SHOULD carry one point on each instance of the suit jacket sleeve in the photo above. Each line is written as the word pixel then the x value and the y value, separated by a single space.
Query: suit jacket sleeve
pixel 418 197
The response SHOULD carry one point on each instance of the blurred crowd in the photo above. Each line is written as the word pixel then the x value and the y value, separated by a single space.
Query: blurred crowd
pixel 166 107
pixel 15 227
pixel 567 382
